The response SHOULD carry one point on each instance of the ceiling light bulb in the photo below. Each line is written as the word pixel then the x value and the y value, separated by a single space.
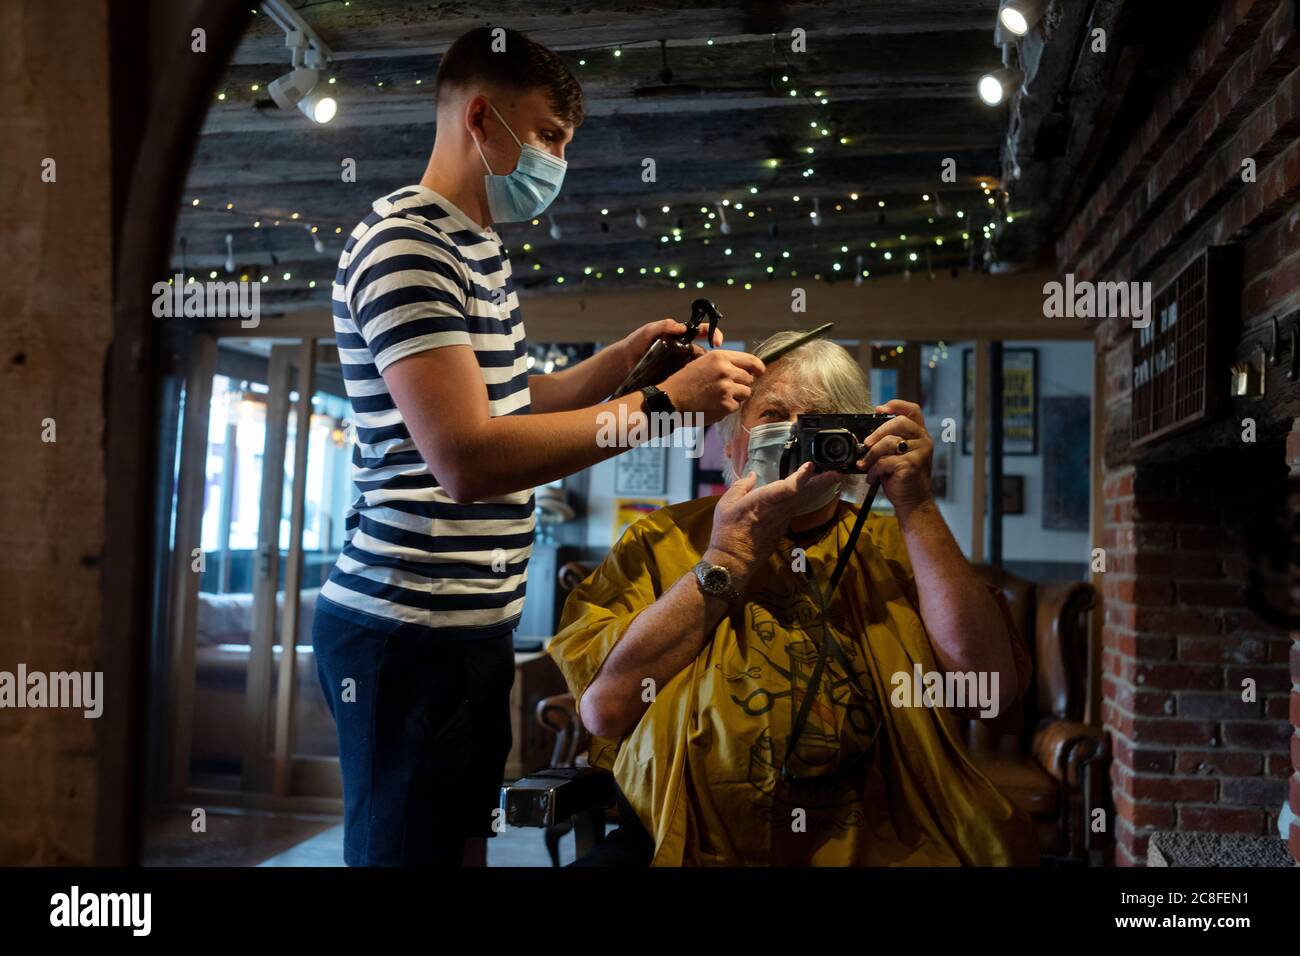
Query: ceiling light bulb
pixel 990 90
pixel 1020 16
pixel 997 86
pixel 318 107
pixel 1014 21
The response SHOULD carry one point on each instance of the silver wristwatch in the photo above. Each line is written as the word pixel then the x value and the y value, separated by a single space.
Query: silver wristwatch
pixel 716 580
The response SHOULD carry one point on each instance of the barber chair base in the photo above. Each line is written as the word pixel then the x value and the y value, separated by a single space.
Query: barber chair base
pixel 588 828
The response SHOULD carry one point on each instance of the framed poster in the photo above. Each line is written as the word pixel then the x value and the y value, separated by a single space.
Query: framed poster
pixel 628 511
pixel 642 470
pixel 1019 401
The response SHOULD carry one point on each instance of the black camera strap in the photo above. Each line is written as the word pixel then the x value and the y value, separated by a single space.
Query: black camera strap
pixel 828 644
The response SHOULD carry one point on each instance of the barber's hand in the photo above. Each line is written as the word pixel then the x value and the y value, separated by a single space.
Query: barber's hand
pixel 904 477
pixel 635 345
pixel 714 383
pixel 749 521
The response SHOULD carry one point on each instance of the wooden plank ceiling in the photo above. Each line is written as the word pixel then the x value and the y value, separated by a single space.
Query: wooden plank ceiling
pixel 891 83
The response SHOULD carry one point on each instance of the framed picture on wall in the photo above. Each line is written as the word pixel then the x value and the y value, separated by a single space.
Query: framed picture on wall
pixel 1019 401
pixel 1013 494
pixel 642 471
pixel 628 511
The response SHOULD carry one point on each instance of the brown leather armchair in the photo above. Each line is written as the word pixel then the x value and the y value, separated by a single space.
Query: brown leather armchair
pixel 1056 769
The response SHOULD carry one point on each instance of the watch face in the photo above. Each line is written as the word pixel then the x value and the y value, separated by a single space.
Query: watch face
pixel 656 400
pixel 717 579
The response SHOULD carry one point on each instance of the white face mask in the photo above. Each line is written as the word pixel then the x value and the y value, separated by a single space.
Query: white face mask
pixel 766 442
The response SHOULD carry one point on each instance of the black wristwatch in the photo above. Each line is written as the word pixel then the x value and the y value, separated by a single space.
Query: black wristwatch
pixel 658 403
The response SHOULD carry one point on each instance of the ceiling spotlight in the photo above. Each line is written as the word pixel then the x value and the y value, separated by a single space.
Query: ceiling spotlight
pixel 997 86
pixel 1020 16
pixel 299 87
pixel 319 106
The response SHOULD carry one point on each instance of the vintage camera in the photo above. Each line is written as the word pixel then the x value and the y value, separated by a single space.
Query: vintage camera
pixel 830 442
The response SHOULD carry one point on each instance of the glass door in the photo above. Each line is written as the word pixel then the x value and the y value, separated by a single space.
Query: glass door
pixel 308 745
pixel 266 497
pixel 274 560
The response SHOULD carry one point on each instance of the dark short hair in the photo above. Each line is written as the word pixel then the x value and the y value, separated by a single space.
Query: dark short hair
pixel 523 65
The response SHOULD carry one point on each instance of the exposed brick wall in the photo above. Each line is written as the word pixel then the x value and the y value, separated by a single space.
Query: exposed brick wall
pixel 1178 643
pixel 1190 754
pixel 1184 162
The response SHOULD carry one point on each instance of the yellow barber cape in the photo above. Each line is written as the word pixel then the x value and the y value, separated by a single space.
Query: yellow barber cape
pixel 702 768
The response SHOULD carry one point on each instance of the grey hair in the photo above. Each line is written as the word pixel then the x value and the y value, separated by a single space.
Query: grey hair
pixel 821 375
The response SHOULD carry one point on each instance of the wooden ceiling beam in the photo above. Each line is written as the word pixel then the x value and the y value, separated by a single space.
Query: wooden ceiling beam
pixel 844 56
pixel 918 309
pixel 971 307
pixel 407 27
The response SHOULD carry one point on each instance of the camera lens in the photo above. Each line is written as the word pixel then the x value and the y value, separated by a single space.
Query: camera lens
pixel 833 450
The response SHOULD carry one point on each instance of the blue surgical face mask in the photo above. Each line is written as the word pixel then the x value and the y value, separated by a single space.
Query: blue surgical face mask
pixel 763 457
pixel 766 443
pixel 525 193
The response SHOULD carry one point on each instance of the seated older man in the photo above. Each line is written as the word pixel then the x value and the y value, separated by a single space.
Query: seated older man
pixel 745 725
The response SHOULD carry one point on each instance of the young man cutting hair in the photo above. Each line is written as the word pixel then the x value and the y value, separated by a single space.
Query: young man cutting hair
pixel 413 628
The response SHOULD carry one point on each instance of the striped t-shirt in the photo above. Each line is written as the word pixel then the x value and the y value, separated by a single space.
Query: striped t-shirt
pixel 418 274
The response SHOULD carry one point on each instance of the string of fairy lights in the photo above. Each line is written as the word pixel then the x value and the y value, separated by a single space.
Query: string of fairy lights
pixel 265 220
pixel 707 221
pixel 907 249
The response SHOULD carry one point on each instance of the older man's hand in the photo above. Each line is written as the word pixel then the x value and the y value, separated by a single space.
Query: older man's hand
pixel 903 471
pixel 749 521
